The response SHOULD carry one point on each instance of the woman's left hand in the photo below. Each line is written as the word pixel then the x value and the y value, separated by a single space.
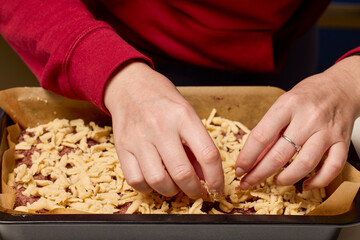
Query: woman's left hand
pixel 317 114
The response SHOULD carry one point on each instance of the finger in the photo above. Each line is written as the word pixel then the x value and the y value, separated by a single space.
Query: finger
pixel 179 166
pixel 194 162
pixel 266 150
pixel 266 131
pixel 307 159
pixel 275 159
pixel 206 154
pixel 132 171
pixel 154 171
pixel 331 167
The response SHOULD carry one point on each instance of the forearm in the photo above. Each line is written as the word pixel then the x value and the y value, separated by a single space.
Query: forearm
pixel 69 51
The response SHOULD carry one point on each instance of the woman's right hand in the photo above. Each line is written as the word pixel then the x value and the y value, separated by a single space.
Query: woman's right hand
pixel 151 123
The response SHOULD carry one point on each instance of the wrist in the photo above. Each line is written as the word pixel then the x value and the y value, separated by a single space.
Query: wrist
pixel 118 81
pixel 347 74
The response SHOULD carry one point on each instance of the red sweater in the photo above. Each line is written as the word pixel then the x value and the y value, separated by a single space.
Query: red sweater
pixel 74 46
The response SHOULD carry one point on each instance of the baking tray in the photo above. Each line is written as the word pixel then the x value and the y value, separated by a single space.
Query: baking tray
pixel 104 226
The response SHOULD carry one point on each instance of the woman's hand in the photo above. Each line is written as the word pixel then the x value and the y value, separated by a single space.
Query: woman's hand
pixel 317 114
pixel 151 123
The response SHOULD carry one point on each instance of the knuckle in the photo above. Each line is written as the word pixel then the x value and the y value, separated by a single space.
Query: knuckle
pixel 184 109
pixel 307 164
pixel 316 114
pixel 316 111
pixel 182 173
pixel 291 98
pixel 209 154
pixel 259 136
pixel 277 158
pixel 156 179
pixel 185 113
pixel 214 183
pixel 120 141
pixel 136 181
pixel 336 167
pixel 154 122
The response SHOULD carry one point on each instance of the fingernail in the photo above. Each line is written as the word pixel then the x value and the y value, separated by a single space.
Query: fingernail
pixel 275 180
pixel 239 172
pixel 244 185
pixel 306 186
pixel 204 192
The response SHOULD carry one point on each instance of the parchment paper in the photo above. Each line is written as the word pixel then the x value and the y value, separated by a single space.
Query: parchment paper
pixel 32 106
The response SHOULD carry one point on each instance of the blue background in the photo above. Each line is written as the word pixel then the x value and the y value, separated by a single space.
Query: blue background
pixel 333 43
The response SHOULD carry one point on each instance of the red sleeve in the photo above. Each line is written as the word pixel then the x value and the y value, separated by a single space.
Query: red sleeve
pixel 349 53
pixel 69 51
